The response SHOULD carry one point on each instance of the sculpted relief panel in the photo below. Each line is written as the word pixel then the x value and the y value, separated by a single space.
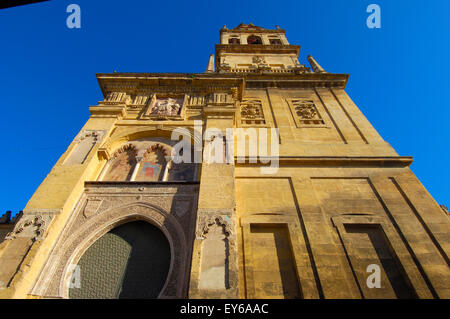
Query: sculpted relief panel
pixel 166 106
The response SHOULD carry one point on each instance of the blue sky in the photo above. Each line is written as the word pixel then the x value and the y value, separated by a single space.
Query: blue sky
pixel 398 74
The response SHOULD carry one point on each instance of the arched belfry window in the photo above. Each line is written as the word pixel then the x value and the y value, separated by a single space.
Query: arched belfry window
pixel 234 40
pixel 253 39
pixel 275 41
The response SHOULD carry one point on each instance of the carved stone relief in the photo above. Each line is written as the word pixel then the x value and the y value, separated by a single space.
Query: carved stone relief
pixel 205 221
pixel 92 206
pixel 306 112
pixel 114 98
pixel 84 144
pixel 167 106
pixel 31 225
pixel 252 112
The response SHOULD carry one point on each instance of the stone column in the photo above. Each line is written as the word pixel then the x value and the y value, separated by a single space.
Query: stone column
pixel 136 168
pixel 214 271
pixel 166 170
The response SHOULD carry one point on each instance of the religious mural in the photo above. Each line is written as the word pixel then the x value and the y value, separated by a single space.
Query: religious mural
pixel 152 166
pixel 121 168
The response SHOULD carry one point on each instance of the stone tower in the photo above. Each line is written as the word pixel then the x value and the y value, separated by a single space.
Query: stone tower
pixel 285 191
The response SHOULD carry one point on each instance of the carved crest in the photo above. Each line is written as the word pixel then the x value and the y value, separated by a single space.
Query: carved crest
pixel 92 207
pixel 167 107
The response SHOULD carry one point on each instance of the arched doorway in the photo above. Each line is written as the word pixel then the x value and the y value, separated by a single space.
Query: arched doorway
pixel 130 261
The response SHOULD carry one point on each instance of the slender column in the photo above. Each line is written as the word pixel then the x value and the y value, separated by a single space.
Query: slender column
pixel 103 173
pixel 166 171
pixel 136 168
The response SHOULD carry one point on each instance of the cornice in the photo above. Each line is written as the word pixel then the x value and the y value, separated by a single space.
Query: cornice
pixel 256 49
pixel 252 31
pixel 180 82
pixel 352 161
pixel 214 82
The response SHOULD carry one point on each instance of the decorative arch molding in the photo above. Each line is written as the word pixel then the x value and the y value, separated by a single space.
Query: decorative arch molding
pixel 124 148
pixel 55 277
pixel 122 137
pixel 166 149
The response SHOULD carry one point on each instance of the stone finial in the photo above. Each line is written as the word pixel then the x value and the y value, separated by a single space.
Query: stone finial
pixel 315 66
pixel 210 68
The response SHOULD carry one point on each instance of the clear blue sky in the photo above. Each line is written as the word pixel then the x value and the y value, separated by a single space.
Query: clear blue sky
pixel 398 74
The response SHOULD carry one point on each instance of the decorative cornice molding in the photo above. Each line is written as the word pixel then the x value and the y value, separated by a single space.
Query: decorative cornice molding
pixel 363 161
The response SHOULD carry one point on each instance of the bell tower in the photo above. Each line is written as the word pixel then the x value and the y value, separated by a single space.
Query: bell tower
pixel 121 213
pixel 252 49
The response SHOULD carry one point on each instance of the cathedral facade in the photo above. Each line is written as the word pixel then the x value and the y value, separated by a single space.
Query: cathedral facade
pixel 284 190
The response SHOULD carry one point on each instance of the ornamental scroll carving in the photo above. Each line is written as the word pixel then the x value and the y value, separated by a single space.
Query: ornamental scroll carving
pixel 307 112
pixel 252 112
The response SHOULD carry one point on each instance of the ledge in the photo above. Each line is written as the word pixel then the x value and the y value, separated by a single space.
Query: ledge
pixel 135 184
pixel 329 161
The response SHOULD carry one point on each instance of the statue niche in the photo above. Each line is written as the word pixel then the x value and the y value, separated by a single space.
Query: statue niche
pixel 214 261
